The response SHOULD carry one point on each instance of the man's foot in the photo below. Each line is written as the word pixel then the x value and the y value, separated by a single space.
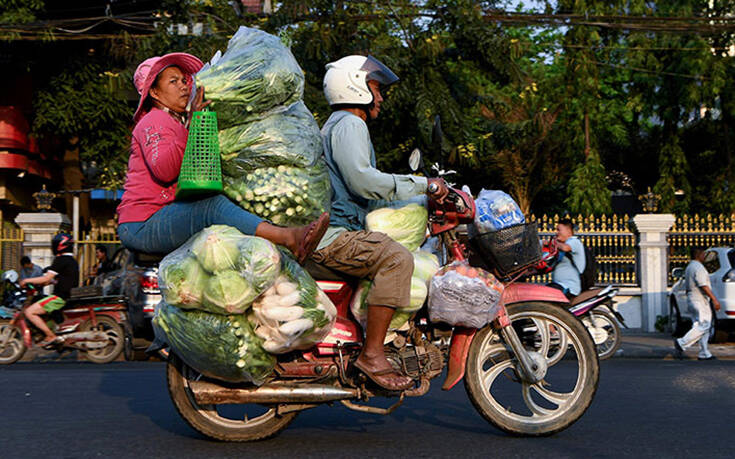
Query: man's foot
pixel 50 340
pixel 310 237
pixel 678 351
pixel 711 357
pixel 386 377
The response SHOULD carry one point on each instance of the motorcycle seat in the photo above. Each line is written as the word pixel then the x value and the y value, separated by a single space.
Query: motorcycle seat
pixel 147 259
pixel 584 296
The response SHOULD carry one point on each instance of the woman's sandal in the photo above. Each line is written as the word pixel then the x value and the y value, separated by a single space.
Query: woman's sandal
pixel 374 377
pixel 314 233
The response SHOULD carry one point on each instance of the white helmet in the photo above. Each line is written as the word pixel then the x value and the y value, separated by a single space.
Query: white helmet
pixel 346 79
pixel 11 276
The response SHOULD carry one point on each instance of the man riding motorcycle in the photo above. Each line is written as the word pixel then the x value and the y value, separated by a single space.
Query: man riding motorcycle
pixel 64 273
pixel 352 87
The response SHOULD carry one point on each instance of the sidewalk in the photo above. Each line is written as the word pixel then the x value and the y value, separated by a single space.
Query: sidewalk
pixel 661 346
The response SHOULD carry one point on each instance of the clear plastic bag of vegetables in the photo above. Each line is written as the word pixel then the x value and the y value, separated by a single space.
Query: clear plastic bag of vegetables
pixel 462 295
pixel 294 313
pixel 219 270
pixel 406 225
pixel 257 73
pixel 219 346
pixel 287 196
pixel 289 138
pixel 424 266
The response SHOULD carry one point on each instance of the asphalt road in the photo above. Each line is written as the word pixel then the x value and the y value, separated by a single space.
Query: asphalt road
pixel 643 408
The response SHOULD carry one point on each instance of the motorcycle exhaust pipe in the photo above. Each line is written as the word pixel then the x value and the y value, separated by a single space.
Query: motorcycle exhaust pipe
pixel 207 393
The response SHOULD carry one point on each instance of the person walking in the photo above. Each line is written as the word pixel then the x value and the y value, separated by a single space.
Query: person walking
pixel 696 280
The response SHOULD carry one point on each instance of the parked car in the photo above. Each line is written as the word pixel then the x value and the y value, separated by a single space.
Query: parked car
pixel 720 264
pixel 137 280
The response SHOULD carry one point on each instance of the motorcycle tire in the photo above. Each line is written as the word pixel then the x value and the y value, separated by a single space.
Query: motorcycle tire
pixel 14 348
pixel 116 335
pixel 612 344
pixel 206 420
pixel 489 358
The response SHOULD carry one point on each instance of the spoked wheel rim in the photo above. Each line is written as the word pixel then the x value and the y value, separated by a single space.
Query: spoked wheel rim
pixel 217 416
pixel 605 323
pixel 550 340
pixel 11 336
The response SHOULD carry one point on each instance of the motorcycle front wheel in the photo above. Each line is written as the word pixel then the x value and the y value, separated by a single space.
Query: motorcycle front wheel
pixel 563 349
pixel 12 347
pixel 221 422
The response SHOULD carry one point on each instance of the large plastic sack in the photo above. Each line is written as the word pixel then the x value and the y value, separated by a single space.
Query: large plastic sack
pixel 287 196
pixel 219 346
pixel 406 225
pixel 496 210
pixel 289 138
pixel 294 313
pixel 219 270
pixel 256 74
pixel 462 295
pixel 425 265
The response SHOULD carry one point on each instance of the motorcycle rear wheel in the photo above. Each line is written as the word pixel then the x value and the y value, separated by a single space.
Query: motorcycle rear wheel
pixel 14 346
pixel 605 320
pixel 207 420
pixel 115 335
pixel 543 408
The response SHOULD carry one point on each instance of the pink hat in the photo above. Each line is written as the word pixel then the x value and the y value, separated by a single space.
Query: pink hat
pixel 149 69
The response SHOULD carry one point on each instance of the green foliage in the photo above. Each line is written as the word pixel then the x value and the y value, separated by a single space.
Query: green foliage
pixel 587 190
pixel 673 178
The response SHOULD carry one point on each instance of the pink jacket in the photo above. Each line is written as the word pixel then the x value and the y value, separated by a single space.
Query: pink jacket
pixel 157 149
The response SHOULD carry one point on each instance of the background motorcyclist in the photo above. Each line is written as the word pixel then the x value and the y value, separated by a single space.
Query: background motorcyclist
pixel 64 273
pixel 352 87
pixel 566 275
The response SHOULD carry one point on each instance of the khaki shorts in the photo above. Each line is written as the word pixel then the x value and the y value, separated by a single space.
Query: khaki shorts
pixel 375 256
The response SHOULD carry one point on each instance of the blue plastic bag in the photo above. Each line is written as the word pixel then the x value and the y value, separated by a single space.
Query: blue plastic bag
pixel 496 210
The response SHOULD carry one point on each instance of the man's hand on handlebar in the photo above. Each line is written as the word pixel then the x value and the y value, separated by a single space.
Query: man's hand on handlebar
pixel 437 189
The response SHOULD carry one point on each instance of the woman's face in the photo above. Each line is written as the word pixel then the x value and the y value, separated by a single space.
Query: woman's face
pixel 172 89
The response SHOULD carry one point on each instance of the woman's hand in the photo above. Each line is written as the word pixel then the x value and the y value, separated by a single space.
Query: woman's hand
pixel 199 103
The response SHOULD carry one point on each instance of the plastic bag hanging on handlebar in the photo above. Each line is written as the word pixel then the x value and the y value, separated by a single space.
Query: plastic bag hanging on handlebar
pixel 462 295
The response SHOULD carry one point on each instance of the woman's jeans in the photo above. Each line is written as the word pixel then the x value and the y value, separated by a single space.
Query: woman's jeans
pixel 174 224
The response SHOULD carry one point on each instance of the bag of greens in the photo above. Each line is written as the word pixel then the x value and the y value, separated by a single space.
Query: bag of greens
pixel 284 195
pixel 219 346
pixel 257 73
pixel 406 225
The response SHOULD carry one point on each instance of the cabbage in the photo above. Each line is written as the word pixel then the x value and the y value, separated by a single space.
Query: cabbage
pixel 219 346
pixel 228 292
pixel 260 260
pixel 419 290
pixel 406 225
pixel 400 318
pixel 216 247
pixel 182 284
pixel 425 265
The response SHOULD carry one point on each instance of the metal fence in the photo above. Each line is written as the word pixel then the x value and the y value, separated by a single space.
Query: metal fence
pixel 11 246
pixel 698 230
pixel 610 240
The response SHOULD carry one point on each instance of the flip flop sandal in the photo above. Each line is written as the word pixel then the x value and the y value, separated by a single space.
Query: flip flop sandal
pixel 314 234
pixel 387 371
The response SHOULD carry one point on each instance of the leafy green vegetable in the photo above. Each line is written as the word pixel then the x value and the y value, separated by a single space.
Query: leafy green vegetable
pixel 257 73
pixel 260 260
pixel 228 292
pixel 216 247
pixel 406 225
pixel 219 346
pixel 287 196
pixel 289 138
pixel 182 284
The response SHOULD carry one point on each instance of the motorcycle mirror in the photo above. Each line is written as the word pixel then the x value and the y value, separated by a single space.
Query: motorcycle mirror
pixel 415 161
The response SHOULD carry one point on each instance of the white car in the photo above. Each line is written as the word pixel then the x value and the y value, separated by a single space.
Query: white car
pixel 720 264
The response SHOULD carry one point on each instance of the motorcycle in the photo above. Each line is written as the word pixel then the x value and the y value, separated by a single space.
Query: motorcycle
pixel 96 326
pixel 533 371
pixel 594 307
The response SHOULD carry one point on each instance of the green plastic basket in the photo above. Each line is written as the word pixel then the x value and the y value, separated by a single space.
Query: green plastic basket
pixel 201 169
